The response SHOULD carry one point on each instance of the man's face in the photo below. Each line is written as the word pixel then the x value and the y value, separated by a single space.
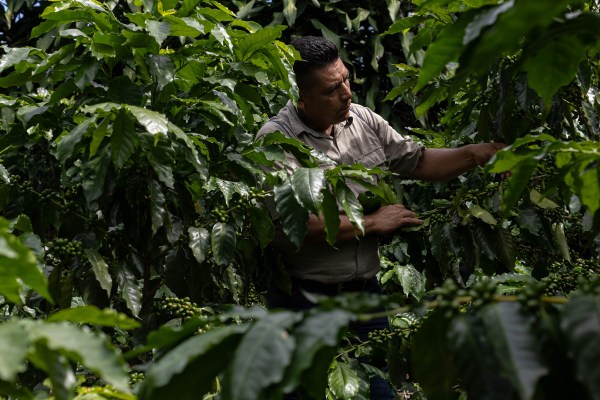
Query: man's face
pixel 326 100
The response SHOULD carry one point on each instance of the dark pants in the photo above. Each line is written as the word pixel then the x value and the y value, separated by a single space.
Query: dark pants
pixel 380 388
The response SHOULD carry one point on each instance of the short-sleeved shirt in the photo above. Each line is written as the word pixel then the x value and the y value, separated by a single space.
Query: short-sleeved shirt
pixel 365 138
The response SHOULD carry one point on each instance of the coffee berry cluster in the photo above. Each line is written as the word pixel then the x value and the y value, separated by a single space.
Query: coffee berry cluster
pixel 174 307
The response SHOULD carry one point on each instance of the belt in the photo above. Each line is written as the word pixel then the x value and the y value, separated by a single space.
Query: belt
pixel 312 286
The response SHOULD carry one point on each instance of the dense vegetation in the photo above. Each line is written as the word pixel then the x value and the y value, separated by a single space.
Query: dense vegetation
pixel 134 251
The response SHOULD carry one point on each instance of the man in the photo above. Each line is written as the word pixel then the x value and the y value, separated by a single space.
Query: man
pixel 326 120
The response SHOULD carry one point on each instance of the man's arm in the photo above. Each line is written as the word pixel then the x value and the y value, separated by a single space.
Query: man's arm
pixel 387 219
pixel 445 164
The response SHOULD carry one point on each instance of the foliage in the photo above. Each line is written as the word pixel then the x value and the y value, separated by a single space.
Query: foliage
pixel 135 201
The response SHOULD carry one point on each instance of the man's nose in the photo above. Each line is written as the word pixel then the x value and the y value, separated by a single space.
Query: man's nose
pixel 346 92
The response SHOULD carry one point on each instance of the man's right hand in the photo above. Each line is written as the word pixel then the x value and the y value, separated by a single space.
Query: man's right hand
pixel 388 219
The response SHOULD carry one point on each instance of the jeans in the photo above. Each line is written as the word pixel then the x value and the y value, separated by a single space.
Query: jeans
pixel 380 388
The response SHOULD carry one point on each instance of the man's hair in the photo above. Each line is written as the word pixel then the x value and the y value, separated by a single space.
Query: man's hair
pixel 316 52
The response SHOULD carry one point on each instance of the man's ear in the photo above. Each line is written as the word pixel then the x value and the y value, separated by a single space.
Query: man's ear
pixel 300 105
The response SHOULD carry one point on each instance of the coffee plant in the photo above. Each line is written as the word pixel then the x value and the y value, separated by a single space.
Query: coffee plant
pixel 135 247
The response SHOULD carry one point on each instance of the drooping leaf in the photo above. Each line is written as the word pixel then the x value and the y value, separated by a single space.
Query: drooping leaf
pixel 157 206
pixel 307 184
pixel 331 216
pixel 317 332
pixel 432 358
pixel 15 343
pixel 122 140
pixel 199 242
pixel 509 332
pixel 187 371
pixel 223 241
pixel 18 267
pixel 474 354
pixel 293 215
pixel 580 323
pixel 262 224
pixel 261 357
pixel 57 366
pixel 80 345
pixel 411 280
pixel 100 268
pixel 349 202
pixel 94 316
pixel 251 43
pixel 344 381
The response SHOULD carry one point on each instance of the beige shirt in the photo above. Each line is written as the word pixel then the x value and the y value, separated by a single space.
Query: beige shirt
pixel 364 138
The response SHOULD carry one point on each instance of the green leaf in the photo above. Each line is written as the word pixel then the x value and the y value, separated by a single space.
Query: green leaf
pixel 261 357
pixel 446 48
pixel 554 65
pixel 188 371
pixel 80 345
pixel 293 216
pixel 94 316
pixel 158 30
pixel 223 241
pixel 290 11
pixel 263 226
pixel 86 74
pixel 130 289
pixel 432 358
pixel 18 267
pixel 483 215
pixel 14 345
pixel 14 56
pixel 411 280
pixel 331 217
pixel 349 202
pixel 199 243
pixel 344 382
pixel 155 123
pixel 123 139
pixel 59 371
pixel 308 184
pixel 94 175
pixel 317 332
pixel 509 331
pixel 100 268
pixel 475 360
pixel 403 24
pixel 561 241
pixel 541 201
pixel 580 323
pixel 248 45
pixel 157 206
pixel 483 20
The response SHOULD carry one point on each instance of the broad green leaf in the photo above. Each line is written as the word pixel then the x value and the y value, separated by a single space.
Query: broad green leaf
pixel 157 206
pixel 223 241
pixel 100 268
pixel 411 280
pixel 184 26
pixel 25 113
pixel 163 68
pixel 530 220
pixel 15 343
pixel 446 48
pixel 188 371
pixel 155 123
pixel 80 345
pixel 483 215
pixel 199 243
pixel 432 359
pixel 580 323
pixel 293 216
pixel 86 74
pixel 352 207
pixel 403 24
pixel 248 45
pixel 123 139
pixel 344 382
pixel 308 184
pixel 19 267
pixel 561 241
pixel 161 158
pixel 554 65
pixel 290 11
pixel 261 357
pixel 262 224
pixel 94 175
pixel 475 360
pixel 158 30
pixel 94 316
pixel 331 216
pixel 57 366
pixel 483 20
pixel 14 56
pixel 317 332
pixel 541 201
pixel 509 332
pixel 130 289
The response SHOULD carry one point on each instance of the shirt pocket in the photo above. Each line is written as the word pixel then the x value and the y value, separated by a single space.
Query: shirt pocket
pixel 373 158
